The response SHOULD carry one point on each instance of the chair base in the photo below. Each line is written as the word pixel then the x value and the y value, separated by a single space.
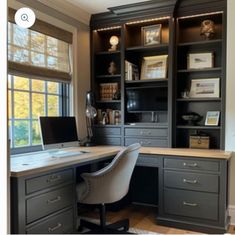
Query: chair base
pixel 119 227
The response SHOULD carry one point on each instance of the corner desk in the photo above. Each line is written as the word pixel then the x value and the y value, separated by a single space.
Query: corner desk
pixel 192 188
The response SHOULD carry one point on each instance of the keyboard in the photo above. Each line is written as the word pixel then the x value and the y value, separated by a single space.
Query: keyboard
pixel 62 153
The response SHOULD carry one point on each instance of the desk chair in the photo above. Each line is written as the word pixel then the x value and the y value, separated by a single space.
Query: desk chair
pixel 108 185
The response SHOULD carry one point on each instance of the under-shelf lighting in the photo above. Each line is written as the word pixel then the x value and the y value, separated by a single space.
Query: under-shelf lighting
pixel 107 28
pixel 148 20
pixel 199 15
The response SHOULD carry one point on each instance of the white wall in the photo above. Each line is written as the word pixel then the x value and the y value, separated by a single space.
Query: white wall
pixel 230 102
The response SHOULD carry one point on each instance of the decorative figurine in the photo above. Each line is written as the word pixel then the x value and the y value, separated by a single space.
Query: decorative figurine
pixel 208 29
pixel 114 42
pixel 112 68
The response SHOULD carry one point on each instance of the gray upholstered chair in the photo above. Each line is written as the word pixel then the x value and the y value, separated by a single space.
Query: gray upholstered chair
pixel 108 185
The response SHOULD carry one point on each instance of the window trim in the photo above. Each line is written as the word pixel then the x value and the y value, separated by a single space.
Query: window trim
pixel 64 110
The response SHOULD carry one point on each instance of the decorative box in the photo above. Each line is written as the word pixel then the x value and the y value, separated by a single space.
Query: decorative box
pixel 199 142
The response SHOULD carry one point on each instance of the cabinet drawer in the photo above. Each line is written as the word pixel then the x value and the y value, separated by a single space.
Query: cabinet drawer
pixel 146 132
pixel 58 224
pixel 45 204
pixel 192 164
pixel 103 131
pixel 147 142
pixel 191 204
pixel 46 181
pixel 146 160
pixel 108 140
pixel 191 181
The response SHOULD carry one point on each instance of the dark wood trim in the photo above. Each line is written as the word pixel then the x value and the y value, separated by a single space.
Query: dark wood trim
pixel 45 28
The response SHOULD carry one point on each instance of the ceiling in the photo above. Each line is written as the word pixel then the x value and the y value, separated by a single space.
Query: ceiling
pixel 98 6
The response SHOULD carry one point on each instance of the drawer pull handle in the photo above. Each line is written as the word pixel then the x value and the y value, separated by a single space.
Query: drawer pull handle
pixel 50 201
pixel 190 165
pixel 53 178
pixel 54 228
pixel 190 181
pixel 190 204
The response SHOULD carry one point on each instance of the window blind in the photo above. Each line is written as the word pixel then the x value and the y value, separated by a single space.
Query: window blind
pixel 43 52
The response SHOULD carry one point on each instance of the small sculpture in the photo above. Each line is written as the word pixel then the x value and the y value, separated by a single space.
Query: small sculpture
pixel 114 42
pixel 208 29
pixel 112 68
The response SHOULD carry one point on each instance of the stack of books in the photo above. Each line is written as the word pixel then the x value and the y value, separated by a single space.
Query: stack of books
pixel 131 71
pixel 107 90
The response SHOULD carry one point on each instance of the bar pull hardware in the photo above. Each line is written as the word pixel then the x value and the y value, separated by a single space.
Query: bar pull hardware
pixel 190 204
pixel 190 181
pixel 53 178
pixel 50 201
pixel 190 165
pixel 54 228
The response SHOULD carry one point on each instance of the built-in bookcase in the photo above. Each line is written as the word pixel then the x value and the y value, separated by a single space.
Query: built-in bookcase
pixel 190 41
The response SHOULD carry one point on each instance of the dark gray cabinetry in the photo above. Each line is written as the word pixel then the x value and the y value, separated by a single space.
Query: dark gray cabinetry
pixel 193 194
pixel 107 135
pixel 148 137
pixel 44 203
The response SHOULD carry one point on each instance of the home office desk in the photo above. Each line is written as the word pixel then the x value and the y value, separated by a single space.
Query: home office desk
pixel 192 188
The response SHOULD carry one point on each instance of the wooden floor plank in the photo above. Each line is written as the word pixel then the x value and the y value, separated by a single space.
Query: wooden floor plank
pixel 141 217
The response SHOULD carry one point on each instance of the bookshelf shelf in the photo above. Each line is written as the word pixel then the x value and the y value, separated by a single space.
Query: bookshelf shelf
pixel 109 76
pixel 146 81
pixel 108 101
pixel 199 70
pixel 148 48
pixel 201 43
pixel 199 99
pixel 108 52
pixel 199 127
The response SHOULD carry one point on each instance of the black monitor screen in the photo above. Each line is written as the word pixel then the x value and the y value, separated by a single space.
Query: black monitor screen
pixel 147 99
pixel 55 130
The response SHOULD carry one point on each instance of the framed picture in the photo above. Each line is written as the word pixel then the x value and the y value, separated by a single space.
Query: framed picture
pixel 212 118
pixel 154 67
pixel 200 60
pixel 205 88
pixel 151 35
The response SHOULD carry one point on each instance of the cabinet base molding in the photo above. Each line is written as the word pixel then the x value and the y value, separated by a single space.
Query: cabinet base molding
pixel 192 226
pixel 231 210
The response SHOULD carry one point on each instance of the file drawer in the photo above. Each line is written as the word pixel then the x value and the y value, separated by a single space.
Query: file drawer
pixel 147 142
pixel 147 160
pixel 191 204
pixel 191 164
pixel 161 132
pixel 50 180
pixel 45 204
pixel 191 181
pixel 103 131
pixel 58 224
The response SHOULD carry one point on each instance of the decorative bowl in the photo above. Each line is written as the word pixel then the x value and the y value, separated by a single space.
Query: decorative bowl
pixel 191 118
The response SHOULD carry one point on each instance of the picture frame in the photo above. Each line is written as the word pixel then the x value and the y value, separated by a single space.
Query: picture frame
pixel 200 60
pixel 212 118
pixel 151 35
pixel 154 67
pixel 205 88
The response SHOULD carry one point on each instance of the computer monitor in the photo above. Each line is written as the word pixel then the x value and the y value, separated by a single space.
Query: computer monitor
pixel 58 132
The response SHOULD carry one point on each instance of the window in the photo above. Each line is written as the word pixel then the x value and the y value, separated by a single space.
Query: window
pixel 29 47
pixel 38 81
pixel 28 99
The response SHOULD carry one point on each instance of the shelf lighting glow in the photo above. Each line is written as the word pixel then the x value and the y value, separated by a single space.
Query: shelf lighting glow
pixel 199 15
pixel 148 20
pixel 106 29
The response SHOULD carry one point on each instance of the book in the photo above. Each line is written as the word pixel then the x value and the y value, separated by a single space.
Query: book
pixel 131 71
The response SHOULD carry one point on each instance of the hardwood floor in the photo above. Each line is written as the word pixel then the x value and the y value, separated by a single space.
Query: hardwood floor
pixel 140 218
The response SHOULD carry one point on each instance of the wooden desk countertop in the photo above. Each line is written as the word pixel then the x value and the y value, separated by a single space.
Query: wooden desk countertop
pixel 34 163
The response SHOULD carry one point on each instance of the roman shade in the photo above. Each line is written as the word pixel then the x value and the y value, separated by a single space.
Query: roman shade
pixel 43 51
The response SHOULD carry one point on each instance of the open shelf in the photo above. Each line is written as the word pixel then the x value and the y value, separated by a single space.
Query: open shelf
pixel 108 52
pixel 199 127
pixel 205 42
pixel 146 48
pixel 146 81
pixel 199 70
pixel 198 99
pixel 108 101
pixel 109 76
